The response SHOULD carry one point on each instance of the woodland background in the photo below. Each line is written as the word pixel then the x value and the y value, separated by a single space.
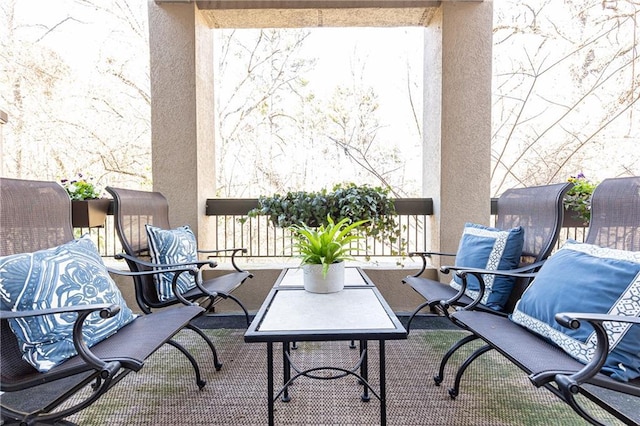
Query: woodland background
pixel 292 103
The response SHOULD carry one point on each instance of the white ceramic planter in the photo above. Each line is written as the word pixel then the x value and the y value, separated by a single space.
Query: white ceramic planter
pixel 314 282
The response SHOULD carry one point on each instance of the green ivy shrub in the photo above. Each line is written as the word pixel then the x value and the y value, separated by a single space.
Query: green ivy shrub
pixel 350 201
pixel 578 198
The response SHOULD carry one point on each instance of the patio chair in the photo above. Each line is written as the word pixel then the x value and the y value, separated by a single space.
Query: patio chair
pixel 538 210
pixel 615 224
pixel 44 272
pixel 137 211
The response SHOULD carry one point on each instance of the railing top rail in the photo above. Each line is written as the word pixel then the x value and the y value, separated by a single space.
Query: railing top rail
pixel 240 206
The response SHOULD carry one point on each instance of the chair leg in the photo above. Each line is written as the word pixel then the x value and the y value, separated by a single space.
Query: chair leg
pixel 235 299
pixel 413 315
pixel 565 392
pixel 454 391
pixel 51 414
pixel 438 378
pixel 210 303
pixel 217 364
pixel 568 397
pixel 201 383
pixel 246 314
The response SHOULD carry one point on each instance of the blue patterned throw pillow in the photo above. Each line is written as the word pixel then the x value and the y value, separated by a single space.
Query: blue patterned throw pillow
pixel 483 247
pixel 172 246
pixel 68 275
pixel 587 278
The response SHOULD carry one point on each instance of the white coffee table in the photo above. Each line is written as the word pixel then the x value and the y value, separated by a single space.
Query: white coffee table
pixel 291 314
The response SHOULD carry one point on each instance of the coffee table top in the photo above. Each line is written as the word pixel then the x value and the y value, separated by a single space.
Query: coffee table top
pixel 359 312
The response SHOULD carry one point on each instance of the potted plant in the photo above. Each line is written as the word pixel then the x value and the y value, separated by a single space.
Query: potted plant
pixel 323 251
pixel 88 209
pixel 355 202
pixel 577 201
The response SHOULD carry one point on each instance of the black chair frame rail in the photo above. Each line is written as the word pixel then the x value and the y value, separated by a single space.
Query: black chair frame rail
pixel 36 215
pixel 615 223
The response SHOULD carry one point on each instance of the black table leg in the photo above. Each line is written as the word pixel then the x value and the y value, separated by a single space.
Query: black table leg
pixel 364 370
pixel 286 370
pixel 270 382
pixel 383 386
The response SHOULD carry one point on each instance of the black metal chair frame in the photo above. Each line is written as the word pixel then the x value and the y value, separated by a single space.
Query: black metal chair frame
pixel 134 209
pixel 615 207
pixel 539 210
pixel 36 215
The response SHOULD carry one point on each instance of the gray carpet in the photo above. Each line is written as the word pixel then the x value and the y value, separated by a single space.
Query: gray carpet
pixel 164 392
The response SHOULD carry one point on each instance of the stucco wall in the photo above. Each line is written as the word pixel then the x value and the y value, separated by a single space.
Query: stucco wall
pixel 400 297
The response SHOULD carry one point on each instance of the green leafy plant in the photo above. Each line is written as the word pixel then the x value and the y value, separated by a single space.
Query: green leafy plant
pixel 350 201
pixel 578 198
pixel 328 243
pixel 80 188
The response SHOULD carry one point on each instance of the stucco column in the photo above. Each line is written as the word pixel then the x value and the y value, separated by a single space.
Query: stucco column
pixel 182 113
pixel 457 118
pixel 4 118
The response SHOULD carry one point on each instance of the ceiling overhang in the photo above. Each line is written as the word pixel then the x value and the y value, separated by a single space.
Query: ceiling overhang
pixel 315 13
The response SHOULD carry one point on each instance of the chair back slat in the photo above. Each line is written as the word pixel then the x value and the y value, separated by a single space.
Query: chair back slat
pixel 135 209
pixel 615 214
pixel 539 211
pixel 34 215
pixel 132 211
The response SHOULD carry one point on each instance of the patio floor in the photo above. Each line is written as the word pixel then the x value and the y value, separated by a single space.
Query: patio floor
pixel 164 392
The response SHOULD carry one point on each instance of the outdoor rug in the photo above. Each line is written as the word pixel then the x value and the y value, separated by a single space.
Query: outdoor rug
pixel 164 392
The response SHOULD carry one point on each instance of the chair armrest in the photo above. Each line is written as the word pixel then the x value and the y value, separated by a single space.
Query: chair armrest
pixel 134 259
pixel 570 383
pixel 424 255
pixel 193 270
pixel 572 319
pixel 430 253
pixel 528 268
pixel 233 255
pixel 105 310
pixel 161 269
pixel 462 273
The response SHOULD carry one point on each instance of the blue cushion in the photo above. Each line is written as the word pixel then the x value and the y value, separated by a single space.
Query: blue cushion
pixel 68 275
pixel 172 246
pixel 493 249
pixel 587 278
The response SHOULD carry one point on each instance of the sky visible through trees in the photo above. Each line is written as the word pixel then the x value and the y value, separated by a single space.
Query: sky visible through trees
pixel 331 109
pixel 75 83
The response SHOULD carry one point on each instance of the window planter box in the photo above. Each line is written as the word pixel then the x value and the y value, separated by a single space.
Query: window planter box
pixel 572 220
pixel 89 213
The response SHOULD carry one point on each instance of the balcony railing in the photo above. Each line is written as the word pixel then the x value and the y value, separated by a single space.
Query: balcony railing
pixel 233 228
pixel 104 237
